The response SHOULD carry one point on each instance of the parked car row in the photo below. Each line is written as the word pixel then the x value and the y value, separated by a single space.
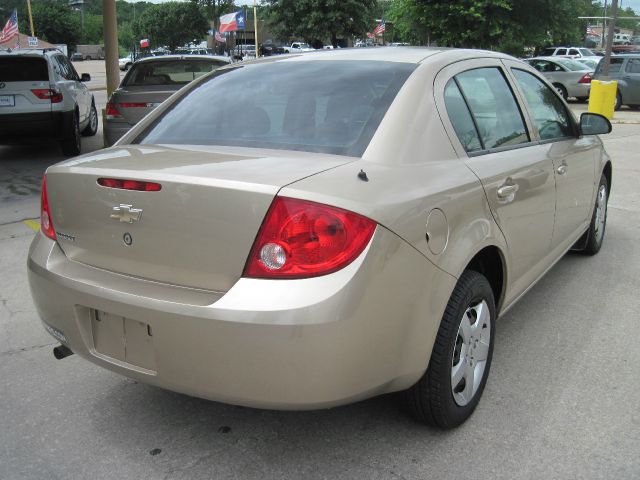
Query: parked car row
pixel 273 235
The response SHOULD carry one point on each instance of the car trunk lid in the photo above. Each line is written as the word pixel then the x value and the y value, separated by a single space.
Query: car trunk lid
pixel 196 231
pixel 133 103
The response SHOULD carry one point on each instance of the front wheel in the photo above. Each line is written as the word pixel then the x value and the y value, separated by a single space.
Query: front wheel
pixel 618 104
pixel 595 234
pixel 450 389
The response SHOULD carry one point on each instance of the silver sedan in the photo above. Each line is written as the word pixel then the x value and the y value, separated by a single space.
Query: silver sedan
pixel 309 230
pixel 150 82
pixel 570 77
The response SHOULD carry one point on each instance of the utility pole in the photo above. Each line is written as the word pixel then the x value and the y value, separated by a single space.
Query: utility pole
pixel 610 33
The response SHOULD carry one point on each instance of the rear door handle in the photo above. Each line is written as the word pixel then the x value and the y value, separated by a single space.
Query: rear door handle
pixel 506 191
pixel 562 169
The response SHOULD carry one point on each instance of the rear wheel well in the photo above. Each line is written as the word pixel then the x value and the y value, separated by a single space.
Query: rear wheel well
pixel 489 263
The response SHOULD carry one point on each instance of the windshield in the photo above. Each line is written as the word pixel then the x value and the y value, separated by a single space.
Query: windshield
pixel 572 65
pixel 313 106
pixel 587 53
pixel 171 72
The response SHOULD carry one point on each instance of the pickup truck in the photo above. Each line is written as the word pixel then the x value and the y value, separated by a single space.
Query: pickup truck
pixel 298 47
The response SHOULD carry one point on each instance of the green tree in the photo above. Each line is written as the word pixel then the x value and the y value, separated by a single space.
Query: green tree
pixel 321 19
pixel 92 30
pixel 171 24
pixel 56 22
pixel 214 9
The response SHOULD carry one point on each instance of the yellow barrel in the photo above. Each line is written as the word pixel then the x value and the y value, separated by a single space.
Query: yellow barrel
pixel 602 97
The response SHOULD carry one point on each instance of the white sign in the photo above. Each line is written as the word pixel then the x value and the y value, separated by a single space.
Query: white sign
pixel 33 41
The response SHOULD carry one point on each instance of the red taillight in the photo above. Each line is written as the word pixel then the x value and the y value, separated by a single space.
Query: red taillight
pixel 138 185
pixel 586 78
pixel 46 224
pixel 112 112
pixel 48 94
pixel 301 239
pixel 131 105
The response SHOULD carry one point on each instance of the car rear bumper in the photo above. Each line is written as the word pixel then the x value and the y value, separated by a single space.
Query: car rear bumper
pixel 286 344
pixel 113 131
pixel 26 126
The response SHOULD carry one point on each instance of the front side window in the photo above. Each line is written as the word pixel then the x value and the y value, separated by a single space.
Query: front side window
pixel 549 114
pixel 494 108
pixel 314 106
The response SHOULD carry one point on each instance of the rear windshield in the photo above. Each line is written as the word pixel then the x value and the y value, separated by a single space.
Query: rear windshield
pixel 23 69
pixel 572 65
pixel 172 72
pixel 314 106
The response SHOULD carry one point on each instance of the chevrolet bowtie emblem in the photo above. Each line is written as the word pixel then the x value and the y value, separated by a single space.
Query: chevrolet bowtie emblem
pixel 126 213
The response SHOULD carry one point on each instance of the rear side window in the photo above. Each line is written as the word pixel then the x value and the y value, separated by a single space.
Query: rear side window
pixel 493 107
pixel 461 118
pixel 314 106
pixel 633 65
pixel 614 66
pixel 23 69
pixel 178 72
pixel 549 114
pixel 547 52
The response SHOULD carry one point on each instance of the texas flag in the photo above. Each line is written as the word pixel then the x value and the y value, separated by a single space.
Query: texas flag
pixel 232 22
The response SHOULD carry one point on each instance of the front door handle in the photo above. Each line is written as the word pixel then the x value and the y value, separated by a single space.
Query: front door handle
pixel 506 191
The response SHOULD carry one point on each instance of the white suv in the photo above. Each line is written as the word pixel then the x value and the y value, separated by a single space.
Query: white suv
pixel 42 96
pixel 569 52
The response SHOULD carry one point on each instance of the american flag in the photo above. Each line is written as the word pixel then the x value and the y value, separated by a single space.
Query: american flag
pixel 379 30
pixel 11 28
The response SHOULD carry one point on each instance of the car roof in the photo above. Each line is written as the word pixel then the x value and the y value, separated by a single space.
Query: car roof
pixel 39 52
pixel 417 55
pixel 166 58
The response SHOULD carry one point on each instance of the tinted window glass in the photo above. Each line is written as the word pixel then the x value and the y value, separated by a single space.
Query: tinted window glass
pixel 550 115
pixel 633 65
pixel 547 52
pixel 461 118
pixel 573 51
pixel 178 72
pixel 323 106
pixel 493 107
pixel 561 51
pixel 23 69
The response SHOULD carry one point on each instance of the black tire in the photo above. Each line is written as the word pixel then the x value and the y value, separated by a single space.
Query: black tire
pixel 582 99
pixel 71 145
pixel 618 103
pixel 431 400
pixel 595 234
pixel 92 127
pixel 561 90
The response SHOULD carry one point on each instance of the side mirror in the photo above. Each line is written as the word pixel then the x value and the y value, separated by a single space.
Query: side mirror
pixel 594 124
pixel 85 77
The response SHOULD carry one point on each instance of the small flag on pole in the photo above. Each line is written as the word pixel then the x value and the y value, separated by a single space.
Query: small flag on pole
pixel 144 43
pixel 379 30
pixel 220 38
pixel 11 27
pixel 232 22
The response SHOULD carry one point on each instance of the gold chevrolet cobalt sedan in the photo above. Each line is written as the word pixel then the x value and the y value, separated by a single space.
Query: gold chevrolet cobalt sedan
pixel 311 230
